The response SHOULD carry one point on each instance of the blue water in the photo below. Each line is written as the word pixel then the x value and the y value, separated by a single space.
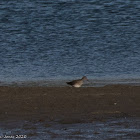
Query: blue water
pixel 63 39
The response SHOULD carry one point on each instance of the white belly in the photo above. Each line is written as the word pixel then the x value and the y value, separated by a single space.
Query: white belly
pixel 77 85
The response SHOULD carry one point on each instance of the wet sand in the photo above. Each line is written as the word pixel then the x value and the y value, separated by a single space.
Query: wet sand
pixel 108 112
pixel 69 105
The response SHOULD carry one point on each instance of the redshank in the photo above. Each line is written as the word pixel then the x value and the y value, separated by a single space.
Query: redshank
pixel 78 82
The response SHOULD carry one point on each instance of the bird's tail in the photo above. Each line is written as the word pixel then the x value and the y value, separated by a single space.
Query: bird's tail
pixel 69 83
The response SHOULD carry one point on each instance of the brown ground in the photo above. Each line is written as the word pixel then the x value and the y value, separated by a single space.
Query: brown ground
pixel 69 104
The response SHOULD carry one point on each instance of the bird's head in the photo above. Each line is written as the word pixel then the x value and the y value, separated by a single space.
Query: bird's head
pixel 84 78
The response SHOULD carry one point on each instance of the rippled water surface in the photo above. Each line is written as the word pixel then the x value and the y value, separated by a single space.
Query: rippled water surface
pixel 59 39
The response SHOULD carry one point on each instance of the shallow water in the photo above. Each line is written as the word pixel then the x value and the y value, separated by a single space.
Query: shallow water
pixel 63 39
pixel 115 128
pixel 62 83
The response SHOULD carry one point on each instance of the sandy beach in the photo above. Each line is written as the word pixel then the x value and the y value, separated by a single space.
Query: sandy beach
pixel 69 104
pixel 107 112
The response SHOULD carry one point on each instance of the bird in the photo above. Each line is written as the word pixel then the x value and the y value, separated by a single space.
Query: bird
pixel 77 83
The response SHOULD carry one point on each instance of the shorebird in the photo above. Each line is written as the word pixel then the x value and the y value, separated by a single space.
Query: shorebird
pixel 78 82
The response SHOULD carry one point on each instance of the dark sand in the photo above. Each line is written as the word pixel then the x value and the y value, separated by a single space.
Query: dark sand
pixel 69 105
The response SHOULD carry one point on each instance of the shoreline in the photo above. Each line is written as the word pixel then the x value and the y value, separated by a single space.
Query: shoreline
pixel 97 82
pixel 68 104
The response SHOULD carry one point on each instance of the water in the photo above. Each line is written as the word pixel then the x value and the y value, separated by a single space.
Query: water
pixel 120 128
pixel 66 39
